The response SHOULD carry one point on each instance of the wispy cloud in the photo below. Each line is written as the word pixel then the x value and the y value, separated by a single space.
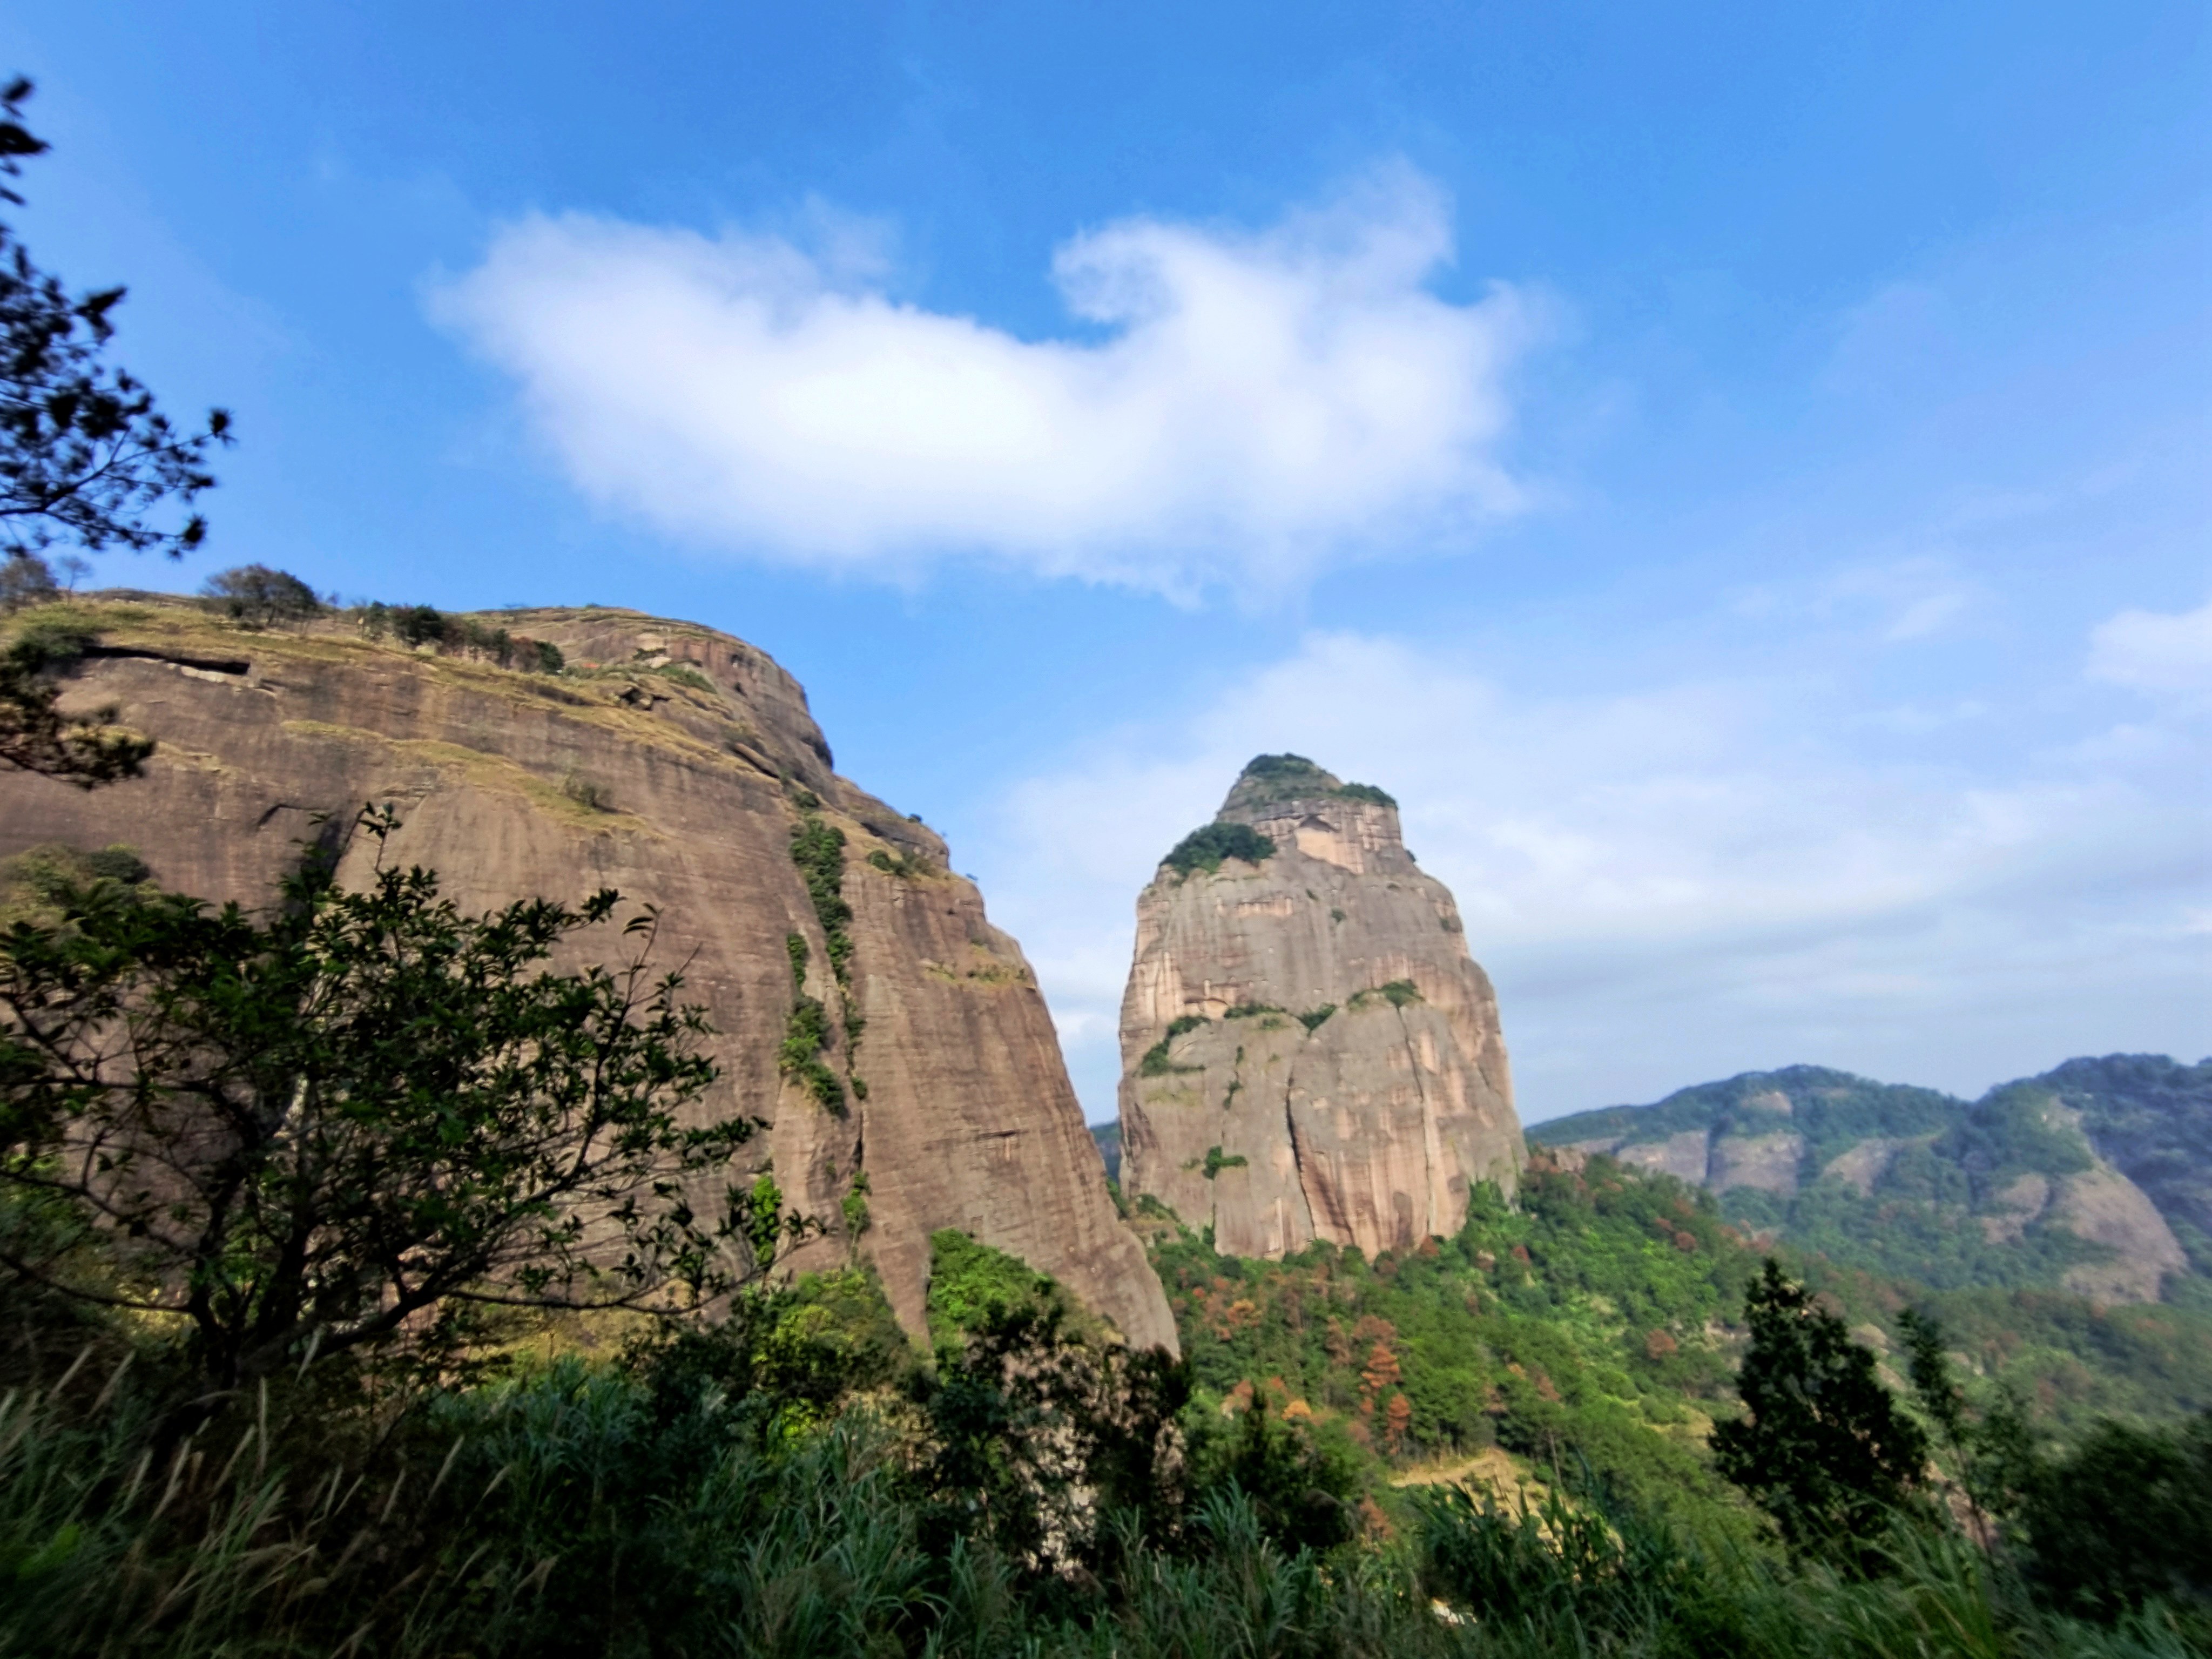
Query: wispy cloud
pixel 2154 652
pixel 1239 408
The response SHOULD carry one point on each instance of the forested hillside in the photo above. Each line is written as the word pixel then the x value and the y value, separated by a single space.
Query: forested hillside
pixel 2092 1177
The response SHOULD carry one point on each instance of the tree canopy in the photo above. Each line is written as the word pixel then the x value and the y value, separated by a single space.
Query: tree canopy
pixel 1825 1449
pixel 356 1124
pixel 85 455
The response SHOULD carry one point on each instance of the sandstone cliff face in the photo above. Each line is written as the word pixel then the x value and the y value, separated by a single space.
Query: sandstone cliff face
pixel 1308 1050
pixel 677 775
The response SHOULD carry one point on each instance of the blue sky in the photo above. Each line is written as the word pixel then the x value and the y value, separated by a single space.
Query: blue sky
pixel 1737 473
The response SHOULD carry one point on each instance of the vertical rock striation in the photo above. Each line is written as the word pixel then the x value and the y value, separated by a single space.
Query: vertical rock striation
pixel 674 764
pixel 1308 1052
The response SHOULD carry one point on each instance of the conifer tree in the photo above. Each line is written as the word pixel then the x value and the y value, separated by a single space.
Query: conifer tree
pixel 1823 1448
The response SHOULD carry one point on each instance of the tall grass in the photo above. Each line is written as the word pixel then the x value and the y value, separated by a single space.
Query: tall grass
pixel 579 1511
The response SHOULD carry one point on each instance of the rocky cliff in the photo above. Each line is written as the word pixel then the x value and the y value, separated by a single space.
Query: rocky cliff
pixel 680 766
pixel 1308 1050
pixel 2090 1178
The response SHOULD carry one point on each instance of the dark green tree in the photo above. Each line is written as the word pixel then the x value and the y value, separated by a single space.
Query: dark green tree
pixel 84 454
pixel 1823 1447
pixel 2126 1518
pixel 354 1126
pixel 256 595
pixel 36 736
pixel 85 458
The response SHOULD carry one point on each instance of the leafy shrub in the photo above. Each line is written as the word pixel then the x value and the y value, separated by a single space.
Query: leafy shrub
pixel 1314 1021
pixel 1252 1010
pixel 256 595
pixel 1214 1162
pixel 1205 849
pixel 907 867
pixel 1366 791
pixel 26 580
pixel 586 791
pixel 41 879
pixel 2125 1519
pixel 1155 1061
pixel 972 1283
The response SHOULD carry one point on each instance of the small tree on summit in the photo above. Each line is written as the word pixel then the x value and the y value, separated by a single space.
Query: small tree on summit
pixel 258 596
pixel 1825 1449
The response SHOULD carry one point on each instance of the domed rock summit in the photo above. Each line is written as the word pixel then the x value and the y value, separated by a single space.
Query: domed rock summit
pixel 1307 1051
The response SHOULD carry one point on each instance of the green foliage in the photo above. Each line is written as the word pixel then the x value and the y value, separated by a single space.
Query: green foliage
pixel 1602 1573
pixel 26 580
pixel 1313 1020
pixel 1399 993
pixel 1303 1489
pixel 409 1111
pixel 732 1488
pixel 1206 848
pixel 806 1039
pixel 2126 1518
pixel 258 596
pixel 1214 1162
pixel 85 750
pixel 1268 780
pixel 1155 1061
pixel 684 673
pixel 85 456
pixel 1367 793
pixel 904 866
pixel 1577 1321
pixel 1108 1138
pixel 1932 1169
pixel 1824 1449
pixel 1253 1009
pixel 818 850
pixel 39 883
pixel 972 1283
pixel 417 624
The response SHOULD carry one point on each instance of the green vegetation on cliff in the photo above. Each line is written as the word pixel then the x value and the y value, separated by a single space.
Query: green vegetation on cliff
pixel 1206 848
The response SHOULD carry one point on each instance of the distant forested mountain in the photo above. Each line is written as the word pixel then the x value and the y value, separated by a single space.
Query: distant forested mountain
pixel 1109 1137
pixel 2095 1177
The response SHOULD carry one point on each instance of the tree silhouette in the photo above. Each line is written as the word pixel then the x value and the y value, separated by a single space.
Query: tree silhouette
pixel 1824 1449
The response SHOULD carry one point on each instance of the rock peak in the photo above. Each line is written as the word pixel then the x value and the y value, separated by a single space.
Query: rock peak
pixel 1270 786
pixel 1308 1050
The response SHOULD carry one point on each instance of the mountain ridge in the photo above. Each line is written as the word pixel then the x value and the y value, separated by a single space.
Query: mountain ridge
pixel 2095 1176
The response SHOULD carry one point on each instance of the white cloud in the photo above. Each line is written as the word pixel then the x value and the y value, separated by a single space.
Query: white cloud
pixel 1244 409
pixel 2155 652
pixel 1677 882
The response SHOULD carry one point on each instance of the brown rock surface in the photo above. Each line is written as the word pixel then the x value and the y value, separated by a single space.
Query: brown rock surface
pixel 682 792
pixel 1366 1125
